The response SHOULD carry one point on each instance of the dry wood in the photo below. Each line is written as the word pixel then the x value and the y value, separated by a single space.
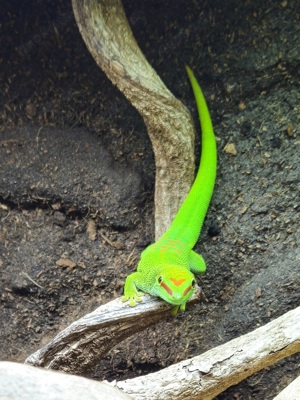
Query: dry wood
pixel 205 376
pixel 82 344
pixel 107 34
pixel 18 381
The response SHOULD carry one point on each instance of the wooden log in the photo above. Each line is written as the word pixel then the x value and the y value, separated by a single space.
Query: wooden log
pixel 205 376
pixel 79 347
pixel 18 381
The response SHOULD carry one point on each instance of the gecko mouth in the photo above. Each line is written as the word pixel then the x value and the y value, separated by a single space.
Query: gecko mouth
pixel 177 300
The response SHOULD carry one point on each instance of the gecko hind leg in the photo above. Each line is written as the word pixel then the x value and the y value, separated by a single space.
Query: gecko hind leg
pixel 196 263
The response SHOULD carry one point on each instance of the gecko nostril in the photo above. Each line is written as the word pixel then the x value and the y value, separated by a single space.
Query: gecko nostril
pixel 177 296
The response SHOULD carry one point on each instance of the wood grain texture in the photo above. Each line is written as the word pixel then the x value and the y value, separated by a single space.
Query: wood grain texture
pixel 205 376
pixel 79 347
pixel 24 382
pixel 107 35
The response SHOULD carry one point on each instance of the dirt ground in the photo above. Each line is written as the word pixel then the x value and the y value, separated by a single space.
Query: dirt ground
pixel 74 152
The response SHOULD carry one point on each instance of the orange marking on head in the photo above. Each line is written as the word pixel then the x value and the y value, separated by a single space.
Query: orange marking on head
pixel 177 282
pixel 187 290
pixel 167 289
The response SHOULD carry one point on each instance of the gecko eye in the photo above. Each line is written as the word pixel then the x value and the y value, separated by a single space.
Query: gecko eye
pixel 159 279
pixel 193 283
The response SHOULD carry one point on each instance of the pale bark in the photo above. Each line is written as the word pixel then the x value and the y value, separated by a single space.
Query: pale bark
pixel 23 382
pixel 82 344
pixel 205 376
pixel 107 34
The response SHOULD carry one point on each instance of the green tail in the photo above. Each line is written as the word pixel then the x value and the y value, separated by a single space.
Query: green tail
pixel 188 221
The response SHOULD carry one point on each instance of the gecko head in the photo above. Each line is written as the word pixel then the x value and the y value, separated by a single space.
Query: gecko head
pixel 175 285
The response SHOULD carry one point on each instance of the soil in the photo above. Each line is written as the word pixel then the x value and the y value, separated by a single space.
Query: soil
pixel 77 178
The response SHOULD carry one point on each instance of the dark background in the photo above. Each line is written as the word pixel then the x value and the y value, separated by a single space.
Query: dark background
pixel 73 150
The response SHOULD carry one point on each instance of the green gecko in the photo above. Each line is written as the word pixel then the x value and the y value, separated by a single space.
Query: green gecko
pixel 166 268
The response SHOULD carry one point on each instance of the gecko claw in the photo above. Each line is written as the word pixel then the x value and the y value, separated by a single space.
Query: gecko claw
pixel 175 310
pixel 133 298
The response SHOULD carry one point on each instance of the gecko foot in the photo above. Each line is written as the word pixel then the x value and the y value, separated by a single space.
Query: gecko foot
pixel 133 298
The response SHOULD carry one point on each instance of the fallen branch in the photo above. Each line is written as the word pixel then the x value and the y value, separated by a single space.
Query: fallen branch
pixel 211 373
pixel 82 344
pixel 24 382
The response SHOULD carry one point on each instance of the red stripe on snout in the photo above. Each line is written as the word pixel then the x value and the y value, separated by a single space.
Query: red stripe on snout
pixel 167 289
pixel 187 290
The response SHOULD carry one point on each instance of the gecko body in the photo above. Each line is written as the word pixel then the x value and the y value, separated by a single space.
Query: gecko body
pixel 166 268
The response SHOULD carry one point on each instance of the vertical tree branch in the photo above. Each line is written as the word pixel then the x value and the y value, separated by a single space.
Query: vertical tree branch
pixel 107 34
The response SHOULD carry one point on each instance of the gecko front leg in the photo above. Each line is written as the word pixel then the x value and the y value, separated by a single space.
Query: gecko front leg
pixel 131 292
